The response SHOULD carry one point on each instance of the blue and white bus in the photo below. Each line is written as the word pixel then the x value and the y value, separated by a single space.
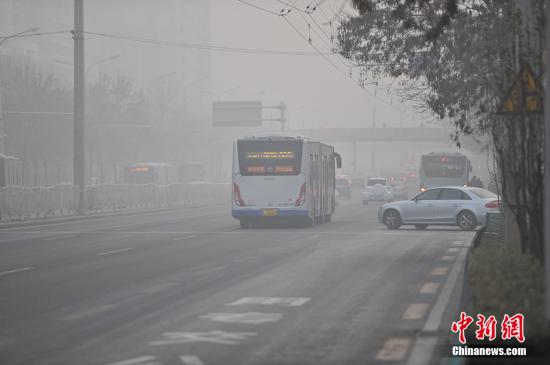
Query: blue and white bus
pixel 286 178
pixel 444 169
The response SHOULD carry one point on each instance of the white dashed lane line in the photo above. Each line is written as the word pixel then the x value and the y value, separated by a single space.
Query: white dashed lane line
pixel 415 311
pixel 447 258
pixel 440 271
pixel 115 251
pixel 429 288
pixel 14 271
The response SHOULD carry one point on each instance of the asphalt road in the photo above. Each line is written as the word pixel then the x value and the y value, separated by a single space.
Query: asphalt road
pixel 189 287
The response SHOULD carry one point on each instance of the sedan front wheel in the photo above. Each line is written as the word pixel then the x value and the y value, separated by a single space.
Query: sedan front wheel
pixel 392 219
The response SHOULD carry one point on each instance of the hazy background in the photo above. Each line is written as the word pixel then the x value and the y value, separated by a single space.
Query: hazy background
pixel 160 64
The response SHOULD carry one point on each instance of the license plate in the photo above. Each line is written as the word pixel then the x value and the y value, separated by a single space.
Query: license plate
pixel 270 212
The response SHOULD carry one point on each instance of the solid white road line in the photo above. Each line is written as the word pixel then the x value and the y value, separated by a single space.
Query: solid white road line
pixel 190 360
pixel 115 251
pixel 394 349
pixel 429 288
pixel 16 271
pixel 415 311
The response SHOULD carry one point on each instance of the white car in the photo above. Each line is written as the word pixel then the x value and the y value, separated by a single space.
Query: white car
pixel 466 208
pixel 377 189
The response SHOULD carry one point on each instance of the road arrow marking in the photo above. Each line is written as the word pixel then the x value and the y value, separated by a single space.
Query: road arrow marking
pixel 191 360
pixel 143 360
pixel 248 317
pixel 219 337
pixel 280 301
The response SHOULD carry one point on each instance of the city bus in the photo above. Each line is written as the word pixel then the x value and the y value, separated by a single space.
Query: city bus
pixel 283 178
pixel 444 169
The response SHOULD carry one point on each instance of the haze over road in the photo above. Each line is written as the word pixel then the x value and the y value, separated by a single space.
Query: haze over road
pixel 188 286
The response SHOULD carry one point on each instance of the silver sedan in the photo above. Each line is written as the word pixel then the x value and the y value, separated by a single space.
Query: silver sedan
pixel 464 207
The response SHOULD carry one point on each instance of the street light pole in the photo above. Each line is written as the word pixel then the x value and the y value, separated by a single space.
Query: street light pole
pixel 546 182
pixel 79 162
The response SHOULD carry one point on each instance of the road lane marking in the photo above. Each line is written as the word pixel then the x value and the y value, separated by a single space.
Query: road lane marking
pixel 115 251
pixel 88 312
pixel 280 301
pixel 458 243
pixel 157 288
pixel 422 350
pixel 447 258
pixel 394 349
pixel 211 270
pixel 415 311
pixel 184 238
pixel 440 271
pixel 216 336
pixel 59 237
pixel 143 360
pixel 248 317
pixel 453 250
pixel 429 288
pixel 16 271
pixel 190 360
pixel 425 345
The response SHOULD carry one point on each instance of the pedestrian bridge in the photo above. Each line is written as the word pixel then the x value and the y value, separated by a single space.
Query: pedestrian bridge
pixel 421 134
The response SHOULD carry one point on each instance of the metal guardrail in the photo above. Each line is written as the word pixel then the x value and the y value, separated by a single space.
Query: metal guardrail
pixel 26 202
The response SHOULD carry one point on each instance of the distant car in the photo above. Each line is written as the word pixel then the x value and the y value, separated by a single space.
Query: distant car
pixel 464 207
pixel 399 190
pixel 377 189
pixel 343 186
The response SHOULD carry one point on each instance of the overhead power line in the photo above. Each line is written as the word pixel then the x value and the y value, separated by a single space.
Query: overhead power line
pixel 203 46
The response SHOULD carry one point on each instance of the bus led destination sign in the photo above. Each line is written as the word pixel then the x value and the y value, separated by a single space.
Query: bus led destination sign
pixel 270 155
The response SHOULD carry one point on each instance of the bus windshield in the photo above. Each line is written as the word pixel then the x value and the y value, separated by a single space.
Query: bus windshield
pixel 444 166
pixel 269 157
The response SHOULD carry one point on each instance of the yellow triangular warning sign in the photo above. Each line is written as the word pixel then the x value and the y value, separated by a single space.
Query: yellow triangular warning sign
pixel 525 96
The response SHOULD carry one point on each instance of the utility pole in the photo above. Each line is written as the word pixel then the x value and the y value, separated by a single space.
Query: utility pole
pixel 2 135
pixel 546 184
pixel 79 168
pixel 373 144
